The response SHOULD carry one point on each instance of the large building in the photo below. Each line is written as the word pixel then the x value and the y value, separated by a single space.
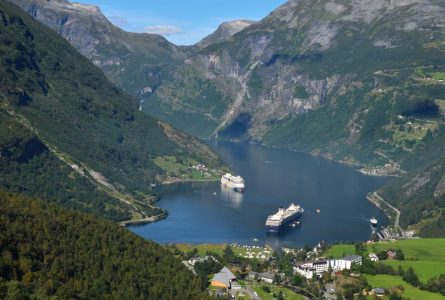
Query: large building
pixel 318 267
pixel 223 279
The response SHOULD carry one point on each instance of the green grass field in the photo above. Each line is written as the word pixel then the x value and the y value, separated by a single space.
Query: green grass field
pixel 388 282
pixel 184 169
pixel 338 251
pixel 202 249
pixel 424 269
pixel 415 249
pixel 425 256
pixel 288 294
pixel 438 76
pixel 218 248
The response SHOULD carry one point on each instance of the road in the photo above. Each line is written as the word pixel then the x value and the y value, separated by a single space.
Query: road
pixel 246 291
pixel 375 196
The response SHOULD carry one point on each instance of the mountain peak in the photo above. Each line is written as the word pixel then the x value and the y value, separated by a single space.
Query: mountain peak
pixel 225 31
pixel 61 6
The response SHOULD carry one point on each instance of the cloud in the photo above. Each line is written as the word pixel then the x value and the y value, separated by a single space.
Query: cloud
pixel 162 29
pixel 118 20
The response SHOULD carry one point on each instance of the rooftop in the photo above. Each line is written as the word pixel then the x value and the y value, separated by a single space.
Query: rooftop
pixel 352 257
pixel 225 276
pixel 267 275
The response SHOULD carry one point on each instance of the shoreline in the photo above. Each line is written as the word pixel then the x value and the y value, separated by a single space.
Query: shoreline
pixel 164 214
pixel 178 180
pixel 172 181
pixel 314 154
pixel 377 200
pixel 144 221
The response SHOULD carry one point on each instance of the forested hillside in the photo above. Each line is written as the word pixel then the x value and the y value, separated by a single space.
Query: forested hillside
pixel 47 251
pixel 67 112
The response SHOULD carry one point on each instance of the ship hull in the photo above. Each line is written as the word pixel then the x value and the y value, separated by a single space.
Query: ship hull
pixel 278 228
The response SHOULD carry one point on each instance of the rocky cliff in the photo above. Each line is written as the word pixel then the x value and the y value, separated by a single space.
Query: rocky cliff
pixel 130 60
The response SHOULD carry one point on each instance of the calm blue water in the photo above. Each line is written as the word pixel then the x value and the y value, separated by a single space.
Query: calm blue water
pixel 274 178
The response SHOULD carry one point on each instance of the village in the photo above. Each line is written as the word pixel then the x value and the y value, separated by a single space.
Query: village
pixel 187 169
pixel 254 272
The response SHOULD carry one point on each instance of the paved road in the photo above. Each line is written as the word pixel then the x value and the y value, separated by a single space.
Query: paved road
pixel 396 221
pixel 247 291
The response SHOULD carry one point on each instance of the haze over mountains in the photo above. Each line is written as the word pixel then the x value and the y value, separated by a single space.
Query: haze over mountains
pixel 358 81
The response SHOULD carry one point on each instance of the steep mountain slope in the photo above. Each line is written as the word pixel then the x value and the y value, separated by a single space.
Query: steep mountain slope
pixel 50 252
pixel 28 166
pixel 133 61
pixel 67 113
pixel 307 52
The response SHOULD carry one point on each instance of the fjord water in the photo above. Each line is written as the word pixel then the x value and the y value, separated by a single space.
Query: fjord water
pixel 207 213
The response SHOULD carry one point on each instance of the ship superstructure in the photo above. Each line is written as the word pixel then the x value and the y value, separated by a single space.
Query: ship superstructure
pixel 284 216
pixel 235 183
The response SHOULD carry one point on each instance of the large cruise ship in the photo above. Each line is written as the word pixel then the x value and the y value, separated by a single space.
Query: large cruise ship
pixel 284 216
pixel 235 183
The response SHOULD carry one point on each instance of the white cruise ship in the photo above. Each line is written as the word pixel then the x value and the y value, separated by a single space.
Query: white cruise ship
pixel 284 216
pixel 235 183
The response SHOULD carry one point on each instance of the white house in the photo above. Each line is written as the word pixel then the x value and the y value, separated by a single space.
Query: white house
pixel 373 257
pixel 305 269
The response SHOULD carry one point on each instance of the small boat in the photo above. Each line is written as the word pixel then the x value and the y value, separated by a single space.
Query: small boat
pixel 214 193
pixel 318 211
pixel 373 221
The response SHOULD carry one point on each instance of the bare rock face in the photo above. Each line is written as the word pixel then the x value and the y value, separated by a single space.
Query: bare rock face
pixel 118 53
pixel 224 32
pixel 440 188
pixel 68 19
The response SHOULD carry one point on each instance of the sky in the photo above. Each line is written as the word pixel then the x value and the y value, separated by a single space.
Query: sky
pixel 183 22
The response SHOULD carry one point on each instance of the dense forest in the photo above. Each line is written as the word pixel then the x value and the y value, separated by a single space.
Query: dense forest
pixel 28 167
pixel 46 250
